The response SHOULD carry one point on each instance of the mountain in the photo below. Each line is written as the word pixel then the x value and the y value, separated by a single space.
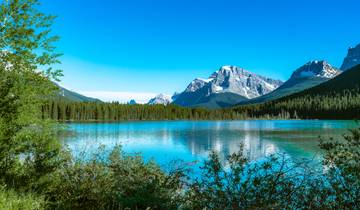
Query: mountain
pixel 347 81
pixel 132 102
pixel 175 96
pixel 309 75
pixel 73 96
pixel 160 99
pixel 337 98
pixel 352 59
pixel 226 87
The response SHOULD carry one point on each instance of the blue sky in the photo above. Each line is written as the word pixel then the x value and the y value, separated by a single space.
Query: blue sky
pixel 122 49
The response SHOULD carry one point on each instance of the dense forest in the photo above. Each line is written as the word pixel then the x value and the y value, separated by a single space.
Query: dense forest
pixel 343 105
pixel 98 111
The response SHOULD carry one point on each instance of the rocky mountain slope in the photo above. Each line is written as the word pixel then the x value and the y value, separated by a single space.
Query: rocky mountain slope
pixel 226 87
pixel 352 59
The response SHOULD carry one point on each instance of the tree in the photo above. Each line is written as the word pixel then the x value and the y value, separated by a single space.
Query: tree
pixel 28 147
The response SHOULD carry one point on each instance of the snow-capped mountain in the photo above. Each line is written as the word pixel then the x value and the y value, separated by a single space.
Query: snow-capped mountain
pixel 320 69
pixel 352 59
pixel 235 80
pixel 228 85
pixel 307 76
pixel 160 99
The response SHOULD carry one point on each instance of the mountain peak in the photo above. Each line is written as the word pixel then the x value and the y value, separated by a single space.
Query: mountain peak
pixel 320 69
pixel 352 59
pixel 160 99
pixel 233 79
pixel 229 68
pixel 238 80
pixel 132 102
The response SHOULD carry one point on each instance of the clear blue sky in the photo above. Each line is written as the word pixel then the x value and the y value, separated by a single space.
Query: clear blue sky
pixel 159 46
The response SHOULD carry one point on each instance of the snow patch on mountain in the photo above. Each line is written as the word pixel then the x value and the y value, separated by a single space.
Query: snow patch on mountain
pixel 232 79
pixel 321 69
pixel 196 85
pixel 160 99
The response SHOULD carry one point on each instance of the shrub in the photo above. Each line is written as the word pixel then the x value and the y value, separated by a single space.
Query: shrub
pixel 118 181
pixel 10 200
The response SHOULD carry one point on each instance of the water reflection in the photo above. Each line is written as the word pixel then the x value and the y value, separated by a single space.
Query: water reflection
pixel 192 141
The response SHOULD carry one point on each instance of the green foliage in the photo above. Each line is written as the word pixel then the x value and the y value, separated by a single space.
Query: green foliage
pixel 10 200
pixel 119 181
pixel 342 159
pixel 28 145
pixel 271 184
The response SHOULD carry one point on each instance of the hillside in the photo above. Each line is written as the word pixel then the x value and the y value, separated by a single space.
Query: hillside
pixel 65 94
pixel 220 100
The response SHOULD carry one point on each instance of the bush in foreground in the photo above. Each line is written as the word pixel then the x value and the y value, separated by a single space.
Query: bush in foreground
pixel 118 181
pixel 10 200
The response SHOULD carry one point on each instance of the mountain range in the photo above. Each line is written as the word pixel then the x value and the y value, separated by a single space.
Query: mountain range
pixel 230 88
pixel 232 85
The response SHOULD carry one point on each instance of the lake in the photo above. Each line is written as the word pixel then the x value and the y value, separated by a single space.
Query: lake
pixel 166 141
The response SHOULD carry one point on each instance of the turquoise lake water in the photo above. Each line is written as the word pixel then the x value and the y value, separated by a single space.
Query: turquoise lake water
pixel 166 141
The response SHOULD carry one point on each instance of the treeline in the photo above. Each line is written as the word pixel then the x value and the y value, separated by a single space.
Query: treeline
pixel 332 105
pixel 98 111
pixel 342 105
